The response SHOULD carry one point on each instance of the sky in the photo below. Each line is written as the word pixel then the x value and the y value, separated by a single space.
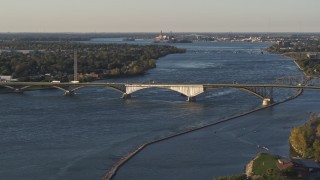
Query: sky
pixel 154 16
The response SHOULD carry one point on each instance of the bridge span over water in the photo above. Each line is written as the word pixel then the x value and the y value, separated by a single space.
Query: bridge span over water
pixel 262 91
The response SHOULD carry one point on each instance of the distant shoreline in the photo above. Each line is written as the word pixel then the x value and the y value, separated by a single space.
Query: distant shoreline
pixel 297 57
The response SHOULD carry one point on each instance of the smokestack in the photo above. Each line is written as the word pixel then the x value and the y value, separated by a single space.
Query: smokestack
pixel 75 66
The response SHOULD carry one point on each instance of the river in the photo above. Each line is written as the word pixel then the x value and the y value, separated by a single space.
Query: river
pixel 45 135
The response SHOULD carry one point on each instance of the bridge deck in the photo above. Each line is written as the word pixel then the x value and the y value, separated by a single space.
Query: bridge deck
pixel 205 85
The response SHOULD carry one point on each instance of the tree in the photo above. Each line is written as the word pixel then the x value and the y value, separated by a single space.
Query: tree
pixel 298 140
pixel 316 149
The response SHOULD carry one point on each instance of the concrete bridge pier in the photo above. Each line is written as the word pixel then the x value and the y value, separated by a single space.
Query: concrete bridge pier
pixel 18 90
pixel 267 101
pixel 126 96
pixel 69 93
pixel 191 99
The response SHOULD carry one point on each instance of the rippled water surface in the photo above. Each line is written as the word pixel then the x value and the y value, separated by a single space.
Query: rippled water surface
pixel 45 135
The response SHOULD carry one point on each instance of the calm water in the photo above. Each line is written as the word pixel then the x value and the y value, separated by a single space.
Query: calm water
pixel 223 149
pixel 45 135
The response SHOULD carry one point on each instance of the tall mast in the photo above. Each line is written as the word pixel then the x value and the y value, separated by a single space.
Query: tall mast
pixel 75 66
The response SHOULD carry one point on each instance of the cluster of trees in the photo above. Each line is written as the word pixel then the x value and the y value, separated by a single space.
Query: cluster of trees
pixel 305 140
pixel 310 66
pixel 69 36
pixel 56 59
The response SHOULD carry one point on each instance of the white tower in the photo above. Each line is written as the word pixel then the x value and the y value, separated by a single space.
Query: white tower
pixel 75 66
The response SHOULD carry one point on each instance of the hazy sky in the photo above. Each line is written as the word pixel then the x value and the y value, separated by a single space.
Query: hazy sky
pixel 166 15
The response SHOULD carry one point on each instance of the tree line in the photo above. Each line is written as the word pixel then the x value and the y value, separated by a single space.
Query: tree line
pixel 44 61
pixel 69 36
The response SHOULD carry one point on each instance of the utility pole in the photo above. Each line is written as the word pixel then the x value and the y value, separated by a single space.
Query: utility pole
pixel 75 66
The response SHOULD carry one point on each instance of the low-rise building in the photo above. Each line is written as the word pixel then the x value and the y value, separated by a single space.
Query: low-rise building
pixel 284 44
pixel 306 167
pixel 284 163
pixel 313 56
pixel 6 78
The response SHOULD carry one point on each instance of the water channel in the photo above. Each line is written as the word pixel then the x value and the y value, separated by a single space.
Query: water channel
pixel 45 135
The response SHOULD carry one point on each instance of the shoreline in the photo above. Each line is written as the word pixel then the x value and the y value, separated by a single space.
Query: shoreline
pixel 295 61
pixel 112 172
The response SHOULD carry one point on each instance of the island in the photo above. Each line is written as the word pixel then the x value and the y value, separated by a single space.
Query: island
pixel 48 61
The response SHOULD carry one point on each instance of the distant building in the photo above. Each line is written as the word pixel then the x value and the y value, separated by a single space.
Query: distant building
pixel 19 51
pixel 163 37
pixel 304 167
pixel 313 56
pixel 284 44
pixel 24 51
pixel 4 50
pixel 284 163
pixel 92 75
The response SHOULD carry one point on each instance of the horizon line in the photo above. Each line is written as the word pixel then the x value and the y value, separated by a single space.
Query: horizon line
pixel 140 32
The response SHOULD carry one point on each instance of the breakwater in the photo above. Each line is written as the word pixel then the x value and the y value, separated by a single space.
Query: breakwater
pixel 112 172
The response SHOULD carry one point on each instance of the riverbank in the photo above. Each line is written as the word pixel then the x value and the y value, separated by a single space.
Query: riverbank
pixel 263 166
pixel 296 57
pixel 309 66
pixel 293 57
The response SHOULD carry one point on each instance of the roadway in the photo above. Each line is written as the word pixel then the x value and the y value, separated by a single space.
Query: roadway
pixel 205 85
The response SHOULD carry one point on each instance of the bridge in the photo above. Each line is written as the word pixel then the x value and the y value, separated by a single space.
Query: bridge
pixel 262 91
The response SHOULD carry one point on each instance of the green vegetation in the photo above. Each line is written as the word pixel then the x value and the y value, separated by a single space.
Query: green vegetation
pixel 235 177
pixel 298 56
pixel 265 165
pixel 305 140
pixel 306 46
pixel 69 36
pixel 45 61
pixel 310 66
pixel 298 51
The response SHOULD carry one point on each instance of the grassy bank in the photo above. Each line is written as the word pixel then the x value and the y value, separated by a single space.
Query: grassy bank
pixel 310 67
pixel 263 166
